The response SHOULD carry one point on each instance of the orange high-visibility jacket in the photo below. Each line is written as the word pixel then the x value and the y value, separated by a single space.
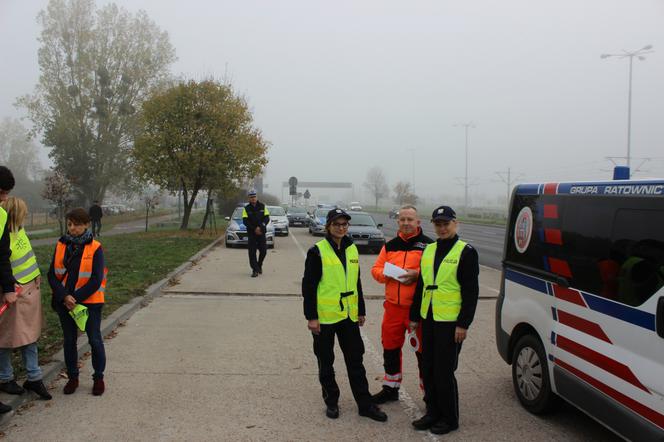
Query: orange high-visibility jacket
pixel 405 253
pixel 84 271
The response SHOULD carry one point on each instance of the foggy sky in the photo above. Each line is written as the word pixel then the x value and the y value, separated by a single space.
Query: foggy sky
pixel 339 87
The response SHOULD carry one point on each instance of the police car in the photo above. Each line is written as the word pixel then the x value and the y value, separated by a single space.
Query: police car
pixel 236 232
pixel 580 314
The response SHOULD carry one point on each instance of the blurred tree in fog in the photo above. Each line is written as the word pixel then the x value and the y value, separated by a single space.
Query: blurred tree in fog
pixel 97 66
pixel 198 136
pixel 19 153
pixel 403 194
pixel 58 190
pixel 376 184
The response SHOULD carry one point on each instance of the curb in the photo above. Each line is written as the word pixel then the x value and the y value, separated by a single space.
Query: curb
pixel 51 370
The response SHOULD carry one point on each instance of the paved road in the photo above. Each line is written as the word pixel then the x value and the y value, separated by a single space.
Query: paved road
pixel 200 363
pixel 488 240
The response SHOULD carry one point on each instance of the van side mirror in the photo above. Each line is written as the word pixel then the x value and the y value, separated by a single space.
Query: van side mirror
pixel 380 226
pixel 227 218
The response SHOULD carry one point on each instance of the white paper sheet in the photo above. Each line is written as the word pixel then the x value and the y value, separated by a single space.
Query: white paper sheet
pixel 392 271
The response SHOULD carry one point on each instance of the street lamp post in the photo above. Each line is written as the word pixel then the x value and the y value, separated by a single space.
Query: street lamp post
pixel 466 126
pixel 640 54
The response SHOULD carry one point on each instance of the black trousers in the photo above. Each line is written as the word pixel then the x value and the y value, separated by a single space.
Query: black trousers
pixel 256 243
pixel 350 341
pixel 96 227
pixel 440 357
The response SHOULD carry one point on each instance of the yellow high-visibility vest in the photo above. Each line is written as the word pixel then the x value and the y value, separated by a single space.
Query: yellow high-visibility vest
pixel 3 221
pixel 23 260
pixel 443 294
pixel 337 295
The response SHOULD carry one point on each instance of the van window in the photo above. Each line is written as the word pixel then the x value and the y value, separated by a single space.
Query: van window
pixel 614 246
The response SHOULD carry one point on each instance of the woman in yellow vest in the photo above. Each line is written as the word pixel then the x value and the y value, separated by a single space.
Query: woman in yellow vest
pixel 334 305
pixel 21 323
pixel 78 276
pixel 445 301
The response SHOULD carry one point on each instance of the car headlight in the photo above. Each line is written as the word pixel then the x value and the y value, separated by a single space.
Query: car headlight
pixel 377 236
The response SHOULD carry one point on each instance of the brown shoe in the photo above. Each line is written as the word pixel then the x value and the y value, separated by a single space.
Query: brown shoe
pixel 71 386
pixel 98 387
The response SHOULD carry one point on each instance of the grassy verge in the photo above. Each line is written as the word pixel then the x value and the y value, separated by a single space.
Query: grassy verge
pixel 134 261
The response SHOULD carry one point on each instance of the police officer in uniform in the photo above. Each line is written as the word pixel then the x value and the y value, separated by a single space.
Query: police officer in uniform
pixel 445 301
pixel 334 305
pixel 256 217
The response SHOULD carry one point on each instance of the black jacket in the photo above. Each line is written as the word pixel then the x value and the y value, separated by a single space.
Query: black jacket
pixel 95 212
pixel 255 217
pixel 467 274
pixel 6 276
pixel 313 272
pixel 73 256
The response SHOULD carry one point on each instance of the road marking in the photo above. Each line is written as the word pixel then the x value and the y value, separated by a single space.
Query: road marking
pixel 297 243
pixel 407 403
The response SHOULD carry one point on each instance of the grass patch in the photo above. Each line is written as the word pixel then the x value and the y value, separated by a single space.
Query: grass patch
pixel 134 260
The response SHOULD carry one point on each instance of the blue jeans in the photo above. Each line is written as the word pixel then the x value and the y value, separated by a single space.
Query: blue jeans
pixel 30 361
pixel 95 339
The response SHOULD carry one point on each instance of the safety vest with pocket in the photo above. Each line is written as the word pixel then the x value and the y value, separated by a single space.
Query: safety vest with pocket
pixel 443 294
pixel 337 296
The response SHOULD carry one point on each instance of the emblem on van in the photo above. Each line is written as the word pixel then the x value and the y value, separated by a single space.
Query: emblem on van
pixel 523 229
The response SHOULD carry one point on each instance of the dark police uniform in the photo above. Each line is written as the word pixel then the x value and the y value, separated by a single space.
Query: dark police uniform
pixel 256 215
pixel 445 298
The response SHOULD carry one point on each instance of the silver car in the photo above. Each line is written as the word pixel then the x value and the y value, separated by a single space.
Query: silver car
pixel 279 219
pixel 236 232
pixel 317 222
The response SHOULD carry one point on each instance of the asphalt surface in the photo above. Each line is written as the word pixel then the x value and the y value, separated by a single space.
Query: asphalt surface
pixel 202 363
pixel 488 240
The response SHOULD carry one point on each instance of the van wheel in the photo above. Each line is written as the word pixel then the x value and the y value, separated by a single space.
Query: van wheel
pixel 530 375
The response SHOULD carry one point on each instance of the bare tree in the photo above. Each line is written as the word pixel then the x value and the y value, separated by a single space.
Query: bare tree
pixel 58 190
pixel 403 194
pixel 376 184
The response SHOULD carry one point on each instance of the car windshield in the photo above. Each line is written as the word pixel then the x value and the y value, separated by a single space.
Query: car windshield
pixel 362 220
pixel 296 210
pixel 237 213
pixel 276 211
pixel 321 213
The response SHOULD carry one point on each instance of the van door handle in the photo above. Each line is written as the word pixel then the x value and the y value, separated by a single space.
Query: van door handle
pixel 659 318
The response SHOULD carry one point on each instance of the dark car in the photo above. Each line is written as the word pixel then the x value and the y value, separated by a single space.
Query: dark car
pixel 297 216
pixel 364 231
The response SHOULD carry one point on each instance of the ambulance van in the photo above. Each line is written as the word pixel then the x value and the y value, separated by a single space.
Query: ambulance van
pixel 580 314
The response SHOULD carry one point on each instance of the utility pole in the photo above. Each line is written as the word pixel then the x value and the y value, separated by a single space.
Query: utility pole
pixel 506 177
pixel 466 126
pixel 640 54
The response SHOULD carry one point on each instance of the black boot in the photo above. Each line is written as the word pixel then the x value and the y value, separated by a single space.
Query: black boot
pixel 4 408
pixel 373 412
pixel 254 274
pixel 387 394
pixel 332 411
pixel 11 387
pixel 39 388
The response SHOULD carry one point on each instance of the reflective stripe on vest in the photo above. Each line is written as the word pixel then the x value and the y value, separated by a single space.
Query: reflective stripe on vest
pixel 23 260
pixel 444 295
pixel 337 289
pixel 84 271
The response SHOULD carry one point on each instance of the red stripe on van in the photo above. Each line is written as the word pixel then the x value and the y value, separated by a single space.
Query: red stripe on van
pixel 637 407
pixel 550 211
pixel 550 188
pixel 560 267
pixel 553 236
pixel 583 325
pixel 614 367
pixel 568 295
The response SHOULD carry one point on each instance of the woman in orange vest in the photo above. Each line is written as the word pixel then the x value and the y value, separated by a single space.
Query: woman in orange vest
pixel 78 276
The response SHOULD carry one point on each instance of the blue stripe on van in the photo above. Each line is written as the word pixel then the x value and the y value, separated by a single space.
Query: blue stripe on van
pixel 610 308
pixel 527 189
pixel 620 311
pixel 528 281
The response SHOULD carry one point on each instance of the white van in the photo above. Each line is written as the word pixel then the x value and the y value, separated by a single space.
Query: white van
pixel 580 313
